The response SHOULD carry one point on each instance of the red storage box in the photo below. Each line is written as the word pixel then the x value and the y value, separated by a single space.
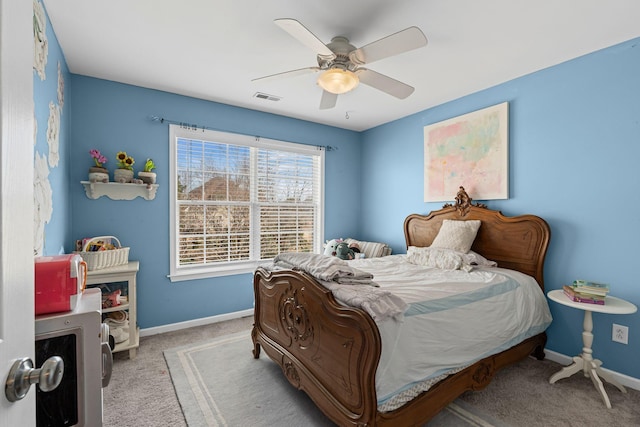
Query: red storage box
pixel 60 281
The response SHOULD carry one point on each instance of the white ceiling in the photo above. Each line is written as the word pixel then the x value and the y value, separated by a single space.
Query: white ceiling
pixel 212 49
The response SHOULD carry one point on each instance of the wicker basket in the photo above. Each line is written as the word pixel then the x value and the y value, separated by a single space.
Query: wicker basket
pixel 97 260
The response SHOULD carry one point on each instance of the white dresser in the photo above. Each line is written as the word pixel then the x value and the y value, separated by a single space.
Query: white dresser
pixel 78 337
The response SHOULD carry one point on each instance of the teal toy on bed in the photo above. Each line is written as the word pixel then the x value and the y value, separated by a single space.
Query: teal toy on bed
pixel 330 246
pixel 343 251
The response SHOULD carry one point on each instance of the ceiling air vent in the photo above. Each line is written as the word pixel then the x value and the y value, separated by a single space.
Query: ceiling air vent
pixel 266 97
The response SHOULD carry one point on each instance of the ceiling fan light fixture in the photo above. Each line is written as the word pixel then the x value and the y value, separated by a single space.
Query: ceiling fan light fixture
pixel 338 81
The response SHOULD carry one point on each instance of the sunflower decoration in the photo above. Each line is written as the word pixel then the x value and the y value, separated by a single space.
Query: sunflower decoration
pixel 124 161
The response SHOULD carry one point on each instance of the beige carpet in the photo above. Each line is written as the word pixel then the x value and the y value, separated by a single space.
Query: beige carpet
pixel 219 383
pixel 141 392
pixel 521 395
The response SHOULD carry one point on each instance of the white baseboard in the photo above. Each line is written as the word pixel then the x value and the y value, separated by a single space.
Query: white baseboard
pixel 196 322
pixel 623 379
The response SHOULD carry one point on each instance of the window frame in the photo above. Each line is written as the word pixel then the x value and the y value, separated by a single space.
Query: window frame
pixel 192 272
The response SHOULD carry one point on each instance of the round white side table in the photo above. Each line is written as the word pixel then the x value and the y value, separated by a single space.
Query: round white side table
pixel 585 362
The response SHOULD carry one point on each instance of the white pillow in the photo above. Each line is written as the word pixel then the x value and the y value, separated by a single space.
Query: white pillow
pixel 444 259
pixel 456 235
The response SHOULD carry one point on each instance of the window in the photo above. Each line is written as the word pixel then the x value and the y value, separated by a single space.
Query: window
pixel 237 201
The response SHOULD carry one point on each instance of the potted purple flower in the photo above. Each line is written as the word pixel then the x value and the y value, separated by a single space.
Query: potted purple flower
pixel 97 172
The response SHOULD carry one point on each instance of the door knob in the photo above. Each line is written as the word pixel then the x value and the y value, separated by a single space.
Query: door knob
pixel 23 374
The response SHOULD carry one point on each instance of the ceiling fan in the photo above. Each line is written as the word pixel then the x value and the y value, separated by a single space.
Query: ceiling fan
pixel 341 63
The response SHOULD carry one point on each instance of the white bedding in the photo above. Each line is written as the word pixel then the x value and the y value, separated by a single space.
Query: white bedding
pixel 348 285
pixel 454 318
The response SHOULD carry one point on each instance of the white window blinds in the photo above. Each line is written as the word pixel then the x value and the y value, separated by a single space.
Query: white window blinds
pixel 240 200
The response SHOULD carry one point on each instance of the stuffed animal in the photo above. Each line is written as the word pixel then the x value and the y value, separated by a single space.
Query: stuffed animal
pixel 343 251
pixel 330 247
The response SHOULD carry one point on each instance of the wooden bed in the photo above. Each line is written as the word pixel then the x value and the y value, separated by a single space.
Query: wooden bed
pixel 331 352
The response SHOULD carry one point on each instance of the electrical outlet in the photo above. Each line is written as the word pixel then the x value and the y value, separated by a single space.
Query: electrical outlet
pixel 620 334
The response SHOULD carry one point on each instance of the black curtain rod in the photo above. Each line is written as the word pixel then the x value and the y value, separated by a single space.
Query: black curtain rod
pixel 193 126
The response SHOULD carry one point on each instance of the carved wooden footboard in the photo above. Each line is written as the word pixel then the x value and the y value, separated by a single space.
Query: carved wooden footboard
pixel 332 352
pixel 328 350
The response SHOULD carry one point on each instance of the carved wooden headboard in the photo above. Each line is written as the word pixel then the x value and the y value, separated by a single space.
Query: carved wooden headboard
pixel 518 243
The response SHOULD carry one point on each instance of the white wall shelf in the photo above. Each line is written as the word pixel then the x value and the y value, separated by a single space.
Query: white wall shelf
pixel 118 191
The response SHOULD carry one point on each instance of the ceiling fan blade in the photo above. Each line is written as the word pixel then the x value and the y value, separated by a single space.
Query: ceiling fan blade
pixel 304 36
pixel 328 100
pixel 291 73
pixel 400 42
pixel 385 84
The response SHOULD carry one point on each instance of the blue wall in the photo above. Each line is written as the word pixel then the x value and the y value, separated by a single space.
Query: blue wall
pixel 573 156
pixel 114 117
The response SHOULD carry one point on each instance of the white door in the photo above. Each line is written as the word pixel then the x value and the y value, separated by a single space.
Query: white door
pixel 16 202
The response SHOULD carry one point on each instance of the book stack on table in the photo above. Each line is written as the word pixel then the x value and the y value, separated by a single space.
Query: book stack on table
pixel 587 292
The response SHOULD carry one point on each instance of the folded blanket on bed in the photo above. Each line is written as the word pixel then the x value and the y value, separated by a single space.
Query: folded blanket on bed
pixel 380 304
pixel 333 273
pixel 323 267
